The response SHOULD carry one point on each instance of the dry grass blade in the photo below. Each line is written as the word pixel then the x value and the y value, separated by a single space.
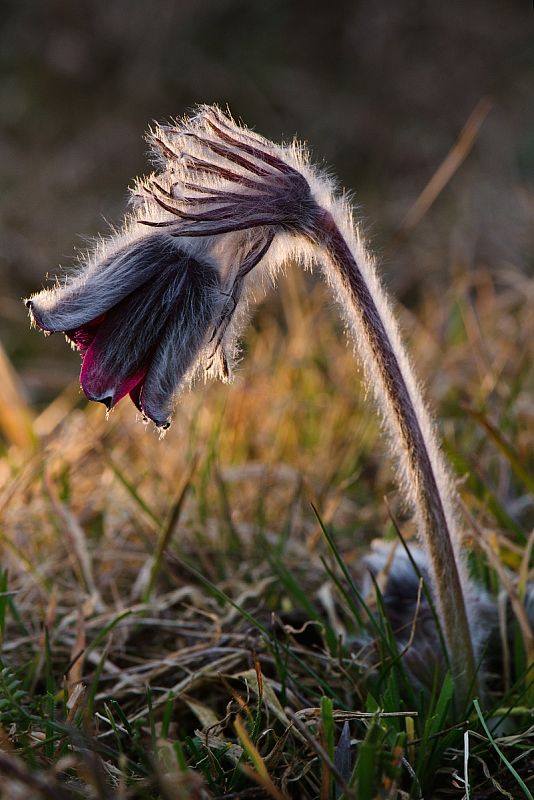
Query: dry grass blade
pixel 466 766
pixel 455 157
pixel 74 672
pixel 260 774
pixel 196 678
pixel 55 413
pixel 24 560
pixel 18 777
pixel 14 486
pixel 307 714
pixel 77 541
pixel 16 419
pixel 515 601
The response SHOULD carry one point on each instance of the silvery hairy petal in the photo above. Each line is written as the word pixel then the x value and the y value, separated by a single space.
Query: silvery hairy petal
pixel 118 268
pixel 119 316
pixel 181 342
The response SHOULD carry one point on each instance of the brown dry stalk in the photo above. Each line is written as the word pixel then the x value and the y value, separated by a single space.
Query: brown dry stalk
pixel 15 415
pixel 454 158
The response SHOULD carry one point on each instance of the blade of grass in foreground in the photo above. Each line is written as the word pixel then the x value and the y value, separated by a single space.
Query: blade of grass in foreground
pixel 167 532
pixel 370 754
pixel 16 421
pixel 504 447
pixel 327 736
pixel 260 774
pixel 134 494
pixel 270 640
pixel 500 753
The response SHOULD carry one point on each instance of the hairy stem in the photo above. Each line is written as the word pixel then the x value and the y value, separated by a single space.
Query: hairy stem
pixel 404 412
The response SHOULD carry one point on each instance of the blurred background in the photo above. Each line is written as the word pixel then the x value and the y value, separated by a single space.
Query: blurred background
pixel 379 90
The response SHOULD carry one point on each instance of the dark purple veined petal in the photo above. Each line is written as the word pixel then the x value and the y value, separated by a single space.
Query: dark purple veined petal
pixel 83 336
pixel 245 193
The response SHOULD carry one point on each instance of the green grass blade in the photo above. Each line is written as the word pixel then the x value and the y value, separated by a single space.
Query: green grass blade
pixel 500 753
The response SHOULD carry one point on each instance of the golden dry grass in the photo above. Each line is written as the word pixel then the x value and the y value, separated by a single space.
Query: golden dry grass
pixel 99 516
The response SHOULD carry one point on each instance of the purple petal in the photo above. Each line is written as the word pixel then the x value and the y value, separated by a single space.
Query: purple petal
pixel 107 389
pixel 118 349
pixel 83 336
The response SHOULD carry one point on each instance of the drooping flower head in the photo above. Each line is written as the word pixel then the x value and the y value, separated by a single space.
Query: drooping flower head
pixel 139 312
pixel 161 299
pixel 220 177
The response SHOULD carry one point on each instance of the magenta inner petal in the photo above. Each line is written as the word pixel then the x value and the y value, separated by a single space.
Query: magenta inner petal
pixel 106 387
pixel 83 337
pixel 129 385
pixel 135 395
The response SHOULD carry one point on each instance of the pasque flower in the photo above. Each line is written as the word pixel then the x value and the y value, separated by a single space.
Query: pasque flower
pixel 168 297
pixel 156 303
pixel 138 312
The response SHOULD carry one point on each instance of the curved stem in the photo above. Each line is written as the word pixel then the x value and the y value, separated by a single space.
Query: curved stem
pixel 403 408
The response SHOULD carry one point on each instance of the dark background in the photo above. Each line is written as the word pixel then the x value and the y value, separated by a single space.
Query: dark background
pixel 379 89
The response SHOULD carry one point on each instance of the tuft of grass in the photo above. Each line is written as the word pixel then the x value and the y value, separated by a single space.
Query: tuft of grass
pixel 186 619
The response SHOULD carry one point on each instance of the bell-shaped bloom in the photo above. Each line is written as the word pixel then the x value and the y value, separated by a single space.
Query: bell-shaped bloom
pixel 163 298
pixel 140 313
